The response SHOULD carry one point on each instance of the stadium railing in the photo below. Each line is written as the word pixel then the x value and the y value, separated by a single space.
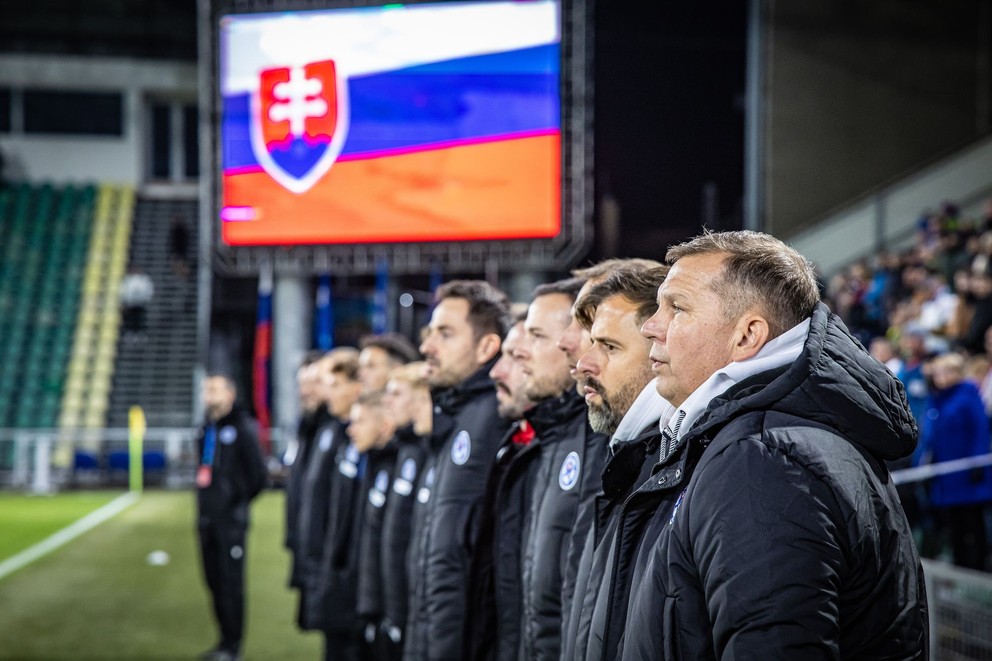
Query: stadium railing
pixel 47 460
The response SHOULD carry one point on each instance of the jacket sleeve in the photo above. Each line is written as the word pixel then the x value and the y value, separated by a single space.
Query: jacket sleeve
pixel 769 542
pixel 255 474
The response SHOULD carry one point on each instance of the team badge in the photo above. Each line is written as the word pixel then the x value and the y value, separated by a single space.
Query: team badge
pixel 409 469
pixel 227 434
pixel 425 491
pixel 675 509
pixel 299 122
pixel 351 454
pixel 461 448
pixel 349 465
pixel 326 438
pixel 377 494
pixel 569 473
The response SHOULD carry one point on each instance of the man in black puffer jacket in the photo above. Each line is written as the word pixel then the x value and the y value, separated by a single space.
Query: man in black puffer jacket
pixel 462 343
pixel 614 373
pixel 410 403
pixel 770 528
pixel 566 476
pixel 492 621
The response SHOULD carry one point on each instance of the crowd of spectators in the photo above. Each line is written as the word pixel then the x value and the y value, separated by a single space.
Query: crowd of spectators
pixel 926 313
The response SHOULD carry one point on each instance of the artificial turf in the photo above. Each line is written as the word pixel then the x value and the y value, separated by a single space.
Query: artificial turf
pixel 98 598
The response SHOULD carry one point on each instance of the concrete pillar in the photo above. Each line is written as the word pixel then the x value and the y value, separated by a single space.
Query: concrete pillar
pixel 292 312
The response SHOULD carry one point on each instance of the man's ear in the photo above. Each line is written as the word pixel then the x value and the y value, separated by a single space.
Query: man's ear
pixel 750 335
pixel 487 348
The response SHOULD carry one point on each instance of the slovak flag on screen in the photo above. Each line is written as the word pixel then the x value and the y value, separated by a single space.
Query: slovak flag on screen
pixel 424 122
pixel 299 122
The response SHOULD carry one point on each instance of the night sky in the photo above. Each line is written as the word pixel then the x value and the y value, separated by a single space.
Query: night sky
pixel 669 118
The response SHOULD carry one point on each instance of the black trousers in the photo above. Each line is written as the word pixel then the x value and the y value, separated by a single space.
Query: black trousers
pixel 222 548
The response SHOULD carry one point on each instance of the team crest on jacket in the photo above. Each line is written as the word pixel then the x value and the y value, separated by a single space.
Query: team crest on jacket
pixel 377 494
pixel 461 448
pixel 675 510
pixel 408 471
pixel 326 437
pixel 569 473
pixel 299 121
pixel 227 434
pixel 425 491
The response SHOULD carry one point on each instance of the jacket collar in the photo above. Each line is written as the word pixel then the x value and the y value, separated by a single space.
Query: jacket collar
pixel 550 413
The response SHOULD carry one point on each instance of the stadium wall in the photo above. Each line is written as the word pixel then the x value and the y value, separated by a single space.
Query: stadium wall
pixel 119 158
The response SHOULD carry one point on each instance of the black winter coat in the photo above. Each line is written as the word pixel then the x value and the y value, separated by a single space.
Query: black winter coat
pixel 492 625
pixel 306 439
pixel 397 523
pixel 237 474
pixel 313 515
pixel 628 465
pixel 566 480
pixel 337 584
pixel 373 497
pixel 773 529
pixel 474 430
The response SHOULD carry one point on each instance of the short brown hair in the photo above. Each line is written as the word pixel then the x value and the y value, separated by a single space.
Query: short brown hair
pixel 343 361
pixel 569 287
pixel 411 373
pixel 637 285
pixel 488 307
pixel 600 270
pixel 399 349
pixel 760 272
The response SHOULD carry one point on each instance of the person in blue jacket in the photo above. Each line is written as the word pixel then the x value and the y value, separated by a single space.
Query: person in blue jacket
pixel 956 426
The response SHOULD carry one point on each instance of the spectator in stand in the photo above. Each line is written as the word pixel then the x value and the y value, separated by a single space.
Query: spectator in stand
pixel 881 349
pixel 136 293
pixel 980 295
pixel 956 427
pixel 179 247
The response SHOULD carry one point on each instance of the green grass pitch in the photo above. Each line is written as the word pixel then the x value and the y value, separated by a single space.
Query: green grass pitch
pixel 98 598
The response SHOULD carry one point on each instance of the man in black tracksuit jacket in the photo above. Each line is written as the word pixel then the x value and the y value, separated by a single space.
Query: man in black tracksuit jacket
pixel 230 474
pixel 372 430
pixel 614 373
pixel 770 528
pixel 409 400
pixel 397 524
pixel 566 475
pixel 314 415
pixel 462 343
pixel 492 623
pixel 319 505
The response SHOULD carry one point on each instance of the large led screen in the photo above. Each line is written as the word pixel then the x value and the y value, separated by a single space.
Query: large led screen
pixel 428 122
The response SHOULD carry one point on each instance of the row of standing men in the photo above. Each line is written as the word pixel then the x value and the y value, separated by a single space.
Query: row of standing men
pixel 646 463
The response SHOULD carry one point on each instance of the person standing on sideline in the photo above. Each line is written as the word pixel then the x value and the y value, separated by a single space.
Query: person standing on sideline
pixel 463 342
pixel 230 474
pixel 770 528
pixel 614 375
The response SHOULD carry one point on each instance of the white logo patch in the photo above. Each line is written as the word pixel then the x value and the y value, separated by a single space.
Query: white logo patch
pixel 382 480
pixel 351 454
pixel 228 434
pixel 409 470
pixel 568 476
pixel 461 448
pixel 425 491
pixel 237 552
pixel 326 438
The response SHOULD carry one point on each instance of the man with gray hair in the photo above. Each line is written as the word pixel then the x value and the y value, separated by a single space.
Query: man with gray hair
pixel 770 528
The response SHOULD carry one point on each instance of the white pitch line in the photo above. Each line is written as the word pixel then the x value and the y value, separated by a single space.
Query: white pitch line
pixel 67 534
